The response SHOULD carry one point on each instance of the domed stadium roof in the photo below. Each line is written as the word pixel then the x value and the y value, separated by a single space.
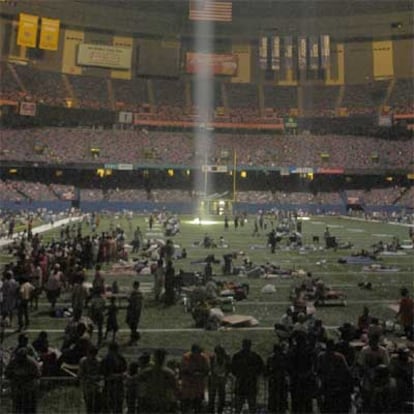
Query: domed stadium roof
pixel 250 18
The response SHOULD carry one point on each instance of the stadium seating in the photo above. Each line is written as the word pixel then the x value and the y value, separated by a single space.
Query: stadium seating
pixel 59 145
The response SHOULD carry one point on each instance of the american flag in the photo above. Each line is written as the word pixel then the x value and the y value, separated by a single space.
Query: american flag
pixel 211 10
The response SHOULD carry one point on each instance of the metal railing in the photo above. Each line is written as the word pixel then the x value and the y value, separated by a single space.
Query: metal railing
pixel 63 395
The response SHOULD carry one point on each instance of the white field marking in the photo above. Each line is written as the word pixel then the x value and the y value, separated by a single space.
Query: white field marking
pixel 43 228
pixel 381 235
pixel 182 330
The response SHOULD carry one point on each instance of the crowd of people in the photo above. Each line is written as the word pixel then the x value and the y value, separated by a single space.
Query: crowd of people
pixel 169 100
pixel 306 367
pixel 363 368
pixel 86 145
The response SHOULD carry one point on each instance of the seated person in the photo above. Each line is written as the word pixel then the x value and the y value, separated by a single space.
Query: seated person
pixel 183 254
pixel 309 283
pixel 208 242
pixel 41 343
pixel 222 243
pixel 73 354
pixel 23 342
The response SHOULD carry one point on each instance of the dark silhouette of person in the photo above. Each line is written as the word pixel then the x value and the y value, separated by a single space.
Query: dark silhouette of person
pixel 160 387
pixel 335 380
pixel 302 384
pixel 220 366
pixel 246 366
pixel 169 284
pixel 90 375
pixel 113 368
pixel 277 374
pixel 23 373
pixel 133 314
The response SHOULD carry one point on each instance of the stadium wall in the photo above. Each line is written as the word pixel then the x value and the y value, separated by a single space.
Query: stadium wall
pixel 185 208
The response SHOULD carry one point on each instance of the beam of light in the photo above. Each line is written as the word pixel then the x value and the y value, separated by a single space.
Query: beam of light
pixel 203 102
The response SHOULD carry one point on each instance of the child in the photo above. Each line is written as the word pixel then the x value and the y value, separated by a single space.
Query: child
pixel 112 321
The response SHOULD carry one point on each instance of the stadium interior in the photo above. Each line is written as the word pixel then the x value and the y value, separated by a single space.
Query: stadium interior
pixel 244 110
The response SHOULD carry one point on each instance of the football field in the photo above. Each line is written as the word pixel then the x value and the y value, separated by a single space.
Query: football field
pixel 174 328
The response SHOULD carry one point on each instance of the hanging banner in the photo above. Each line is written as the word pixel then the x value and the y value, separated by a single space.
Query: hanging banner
pixel 302 53
pixel 123 42
pixel 71 41
pixel 263 53
pixel 383 62
pixel 243 53
pixel 27 108
pixel 276 53
pixel 49 34
pixel 325 50
pixel 313 53
pixel 27 33
pixel 288 41
pixel 113 57
pixel 220 64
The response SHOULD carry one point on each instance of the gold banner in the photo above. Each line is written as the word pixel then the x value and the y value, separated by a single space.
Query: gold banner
pixel 243 69
pixel 339 56
pixel 383 59
pixel 124 42
pixel 27 33
pixel 49 34
pixel 71 41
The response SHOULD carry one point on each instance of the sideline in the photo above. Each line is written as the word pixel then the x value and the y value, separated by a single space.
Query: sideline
pixel 375 221
pixel 42 229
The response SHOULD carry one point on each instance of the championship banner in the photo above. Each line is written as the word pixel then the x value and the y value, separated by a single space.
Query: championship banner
pixel 71 41
pixel 276 53
pixel 210 10
pixel 243 53
pixel 27 32
pixel 219 64
pixel 288 43
pixel 123 42
pixel 383 61
pixel 313 53
pixel 302 53
pixel 49 34
pixel 263 53
pixel 325 50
